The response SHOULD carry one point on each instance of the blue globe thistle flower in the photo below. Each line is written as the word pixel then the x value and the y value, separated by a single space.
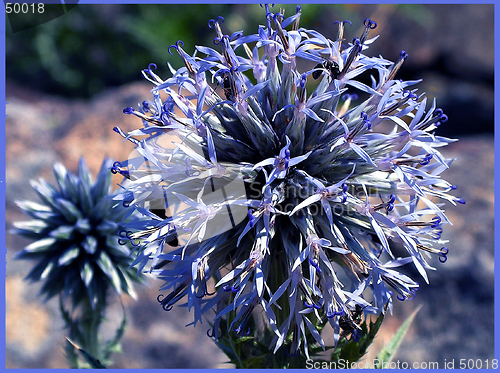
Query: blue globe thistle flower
pixel 75 230
pixel 314 199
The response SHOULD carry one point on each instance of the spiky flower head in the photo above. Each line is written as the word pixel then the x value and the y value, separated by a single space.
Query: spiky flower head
pixel 75 230
pixel 291 198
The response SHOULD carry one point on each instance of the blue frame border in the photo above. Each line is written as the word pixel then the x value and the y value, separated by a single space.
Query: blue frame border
pixel 3 138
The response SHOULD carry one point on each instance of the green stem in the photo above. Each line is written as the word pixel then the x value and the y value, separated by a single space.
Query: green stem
pixel 84 330
pixel 91 321
pixel 240 363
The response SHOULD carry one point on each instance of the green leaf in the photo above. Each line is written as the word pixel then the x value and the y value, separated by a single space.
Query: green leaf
pixel 31 226
pixel 90 244
pixel 114 346
pixel 352 350
pixel 47 270
pixel 60 173
pixel 107 227
pixel 103 182
pixel 387 354
pixel 83 172
pixel 62 232
pixel 83 225
pixel 35 273
pixel 127 285
pixel 68 209
pixel 94 363
pixel 71 356
pixel 93 293
pixel 30 207
pixel 244 339
pixel 85 197
pixel 106 265
pixel 115 249
pixel 69 255
pixel 87 273
pixel 100 209
pixel 253 362
pixel 74 287
pixel 45 191
pixel 48 215
pixel 72 187
pixel 41 245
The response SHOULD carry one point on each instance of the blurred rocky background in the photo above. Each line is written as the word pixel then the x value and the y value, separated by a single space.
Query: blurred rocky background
pixel 68 81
